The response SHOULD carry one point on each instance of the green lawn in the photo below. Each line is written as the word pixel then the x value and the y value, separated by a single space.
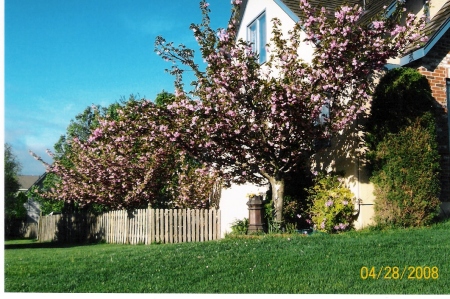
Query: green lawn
pixel 325 264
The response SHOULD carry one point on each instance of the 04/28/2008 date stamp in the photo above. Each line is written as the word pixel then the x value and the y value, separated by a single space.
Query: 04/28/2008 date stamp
pixel 395 272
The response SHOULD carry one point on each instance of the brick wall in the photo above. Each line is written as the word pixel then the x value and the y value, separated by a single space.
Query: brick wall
pixel 436 67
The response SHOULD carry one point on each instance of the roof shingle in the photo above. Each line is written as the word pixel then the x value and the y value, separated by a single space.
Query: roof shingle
pixel 373 7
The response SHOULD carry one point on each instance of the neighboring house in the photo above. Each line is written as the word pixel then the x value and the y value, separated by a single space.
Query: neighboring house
pixel 33 208
pixel 26 181
pixel 432 60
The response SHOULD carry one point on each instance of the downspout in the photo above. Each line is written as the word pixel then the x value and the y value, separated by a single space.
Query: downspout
pixel 358 200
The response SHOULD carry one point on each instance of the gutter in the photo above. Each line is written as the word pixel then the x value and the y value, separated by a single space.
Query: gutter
pixel 286 9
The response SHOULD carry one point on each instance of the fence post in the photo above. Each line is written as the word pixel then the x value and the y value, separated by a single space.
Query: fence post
pixel 166 226
pixel 151 225
pixel 184 225
pixel 39 225
pixel 175 226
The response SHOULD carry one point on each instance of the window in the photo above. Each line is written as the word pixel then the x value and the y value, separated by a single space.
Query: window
pixel 323 117
pixel 256 35
pixel 324 113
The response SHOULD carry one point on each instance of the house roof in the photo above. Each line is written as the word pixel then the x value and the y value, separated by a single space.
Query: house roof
pixel 27 181
pixel 434 29
pixel 372 8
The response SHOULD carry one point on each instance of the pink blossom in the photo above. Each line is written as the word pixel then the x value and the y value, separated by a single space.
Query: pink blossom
pixel 260 113
pixel 378 24
pixel 223 35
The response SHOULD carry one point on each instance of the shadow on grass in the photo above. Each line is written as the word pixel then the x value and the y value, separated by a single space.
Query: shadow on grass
pixel 33 244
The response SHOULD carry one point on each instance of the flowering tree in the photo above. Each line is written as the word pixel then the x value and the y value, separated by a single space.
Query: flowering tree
pixel 79 128
pixel 127 162
pixel 256 122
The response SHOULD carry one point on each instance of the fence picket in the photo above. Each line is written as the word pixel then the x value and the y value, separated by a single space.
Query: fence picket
pixel 175 226
pixel 166 227
pixel 133 232
pixel 188 225
pixel 180 226
pixel 197 225
pixel 217 224
pixel 152 226
pixel 170 227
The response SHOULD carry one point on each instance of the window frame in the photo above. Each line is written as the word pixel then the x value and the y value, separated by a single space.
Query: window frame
pixel 259 45
pixel 325 112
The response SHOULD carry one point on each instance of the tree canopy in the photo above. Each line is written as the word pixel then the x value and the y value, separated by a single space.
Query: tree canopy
pixel 126 161
pixel 14 208
pixel 256 122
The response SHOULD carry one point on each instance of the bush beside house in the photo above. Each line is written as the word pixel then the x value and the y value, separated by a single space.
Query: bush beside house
pixel 403 150
pixel 407 185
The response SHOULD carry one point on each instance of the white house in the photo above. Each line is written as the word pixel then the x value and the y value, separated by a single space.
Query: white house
pixel 432 60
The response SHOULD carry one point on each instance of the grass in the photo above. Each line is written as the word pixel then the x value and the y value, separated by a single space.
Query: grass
pixel 284 264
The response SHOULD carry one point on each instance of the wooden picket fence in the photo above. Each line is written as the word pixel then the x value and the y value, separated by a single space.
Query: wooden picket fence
pixel 144 226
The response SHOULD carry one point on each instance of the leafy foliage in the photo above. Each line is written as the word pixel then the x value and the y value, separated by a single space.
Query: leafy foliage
pixel 164 98
pixel 79 128
pixel 14 208
pixel 47 205
pixel 407 185
pixel 295 204
pixel 332 204
pixel 402 95
pixel 11 170
pixel 403 150
pixel 240 227
pixel 257 123
pixel 128 161
pixel 294 215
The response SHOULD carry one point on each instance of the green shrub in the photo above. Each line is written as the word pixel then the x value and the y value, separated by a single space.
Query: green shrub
pixel 332 207
pixel 407 184
pixel 294 216
pixel 14 206
pixel 401 138
pixel 240 227
pixel 270 225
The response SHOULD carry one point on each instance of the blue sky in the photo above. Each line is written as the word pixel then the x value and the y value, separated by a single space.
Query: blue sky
pixel 62 56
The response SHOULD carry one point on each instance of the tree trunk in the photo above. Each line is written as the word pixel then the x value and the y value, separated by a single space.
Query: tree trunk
pixel 277 198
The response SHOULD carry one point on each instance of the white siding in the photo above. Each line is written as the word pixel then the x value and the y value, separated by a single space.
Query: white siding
pixel 435 6
pixel 233 204
pixel 256 7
